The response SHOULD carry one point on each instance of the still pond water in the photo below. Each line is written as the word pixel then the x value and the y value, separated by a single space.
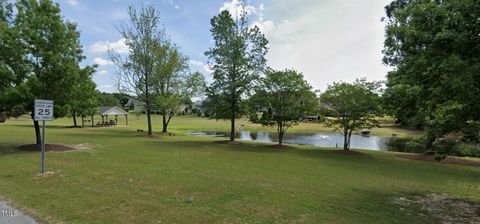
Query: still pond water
pixel 323 139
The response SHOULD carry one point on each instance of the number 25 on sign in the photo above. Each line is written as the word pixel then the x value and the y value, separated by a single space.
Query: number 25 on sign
pixel 43 110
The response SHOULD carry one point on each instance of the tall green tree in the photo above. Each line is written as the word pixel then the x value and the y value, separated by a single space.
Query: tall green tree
pixel 52 53
pixel 13 64
pixel 354 105
pixel 238 56
pixel 434 49
pixel 170 65
pixel 143 35
pixel 83 101
pixel 179 92
pixel 288 98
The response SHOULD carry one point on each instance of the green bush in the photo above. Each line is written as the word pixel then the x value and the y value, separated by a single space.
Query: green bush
pixel 444 147
pixel 468 150
pixel 416 145
pixel 397 144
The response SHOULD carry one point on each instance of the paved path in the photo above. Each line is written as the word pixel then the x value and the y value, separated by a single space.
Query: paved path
pixel 10 215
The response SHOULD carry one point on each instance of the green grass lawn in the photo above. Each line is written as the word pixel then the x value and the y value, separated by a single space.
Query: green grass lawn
pixel 124 177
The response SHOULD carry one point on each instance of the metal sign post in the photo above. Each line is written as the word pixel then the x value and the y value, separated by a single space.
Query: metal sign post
pixel 43 112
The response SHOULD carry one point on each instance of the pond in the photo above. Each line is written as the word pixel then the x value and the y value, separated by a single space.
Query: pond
pixel 323 139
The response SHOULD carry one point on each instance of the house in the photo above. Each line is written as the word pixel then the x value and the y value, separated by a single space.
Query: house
pixel 137 105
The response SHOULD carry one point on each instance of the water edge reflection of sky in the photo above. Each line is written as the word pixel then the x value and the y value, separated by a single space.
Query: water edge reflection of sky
pixel 323 139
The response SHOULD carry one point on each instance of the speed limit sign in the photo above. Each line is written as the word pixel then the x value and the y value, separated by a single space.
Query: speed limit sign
pixel 43 110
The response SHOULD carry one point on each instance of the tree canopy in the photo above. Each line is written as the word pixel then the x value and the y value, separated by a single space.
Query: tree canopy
pixel 434 49
pixel 287 98
pixel 354 106
pixel 238 56
pixel 136 71
pixel 40 57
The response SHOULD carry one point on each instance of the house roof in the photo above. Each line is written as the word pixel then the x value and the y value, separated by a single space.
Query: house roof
pixel 112 111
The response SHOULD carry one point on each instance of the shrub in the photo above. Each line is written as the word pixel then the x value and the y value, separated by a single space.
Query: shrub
pixel 444 147
pixel 397 144
pixel 416 145
pixel 468 150
pixel 412 145
pixel 449 145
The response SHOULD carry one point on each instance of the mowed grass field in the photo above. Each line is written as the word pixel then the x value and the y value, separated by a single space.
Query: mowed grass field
pixel 118 175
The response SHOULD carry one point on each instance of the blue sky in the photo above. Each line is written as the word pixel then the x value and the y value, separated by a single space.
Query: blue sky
pixel 327 40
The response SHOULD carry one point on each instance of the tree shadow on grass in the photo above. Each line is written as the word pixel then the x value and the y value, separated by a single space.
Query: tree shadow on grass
pixel 9 149
pixel 49 126
pixel 66 127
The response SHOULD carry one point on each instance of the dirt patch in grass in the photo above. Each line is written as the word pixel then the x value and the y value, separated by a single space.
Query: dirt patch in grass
pixel 442 207
pixel 349 152
pixel 448 160
pixel 85 147
pixel 48 148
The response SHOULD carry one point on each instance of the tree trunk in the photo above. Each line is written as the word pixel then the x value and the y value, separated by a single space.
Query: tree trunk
pixel 345 139
pixel 74 119
pixel 232 124
pixel 280 133
pixel 147 105
pixel 280 138
pixel 149 121
pixel 83 121
pixel 37 130
pixel 164 122
pixel 232 119
pixel 349 138
pixel 92 121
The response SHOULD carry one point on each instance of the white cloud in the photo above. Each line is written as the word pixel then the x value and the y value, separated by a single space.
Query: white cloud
pixel 205 68
pixel 102 62
pixel 193 62
pixel 236 8
pixel 101 47
pixel 72 2
pixel 261 9
pixel 175 5
pixel 327 40
pixel 103 73
pixel 265 26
